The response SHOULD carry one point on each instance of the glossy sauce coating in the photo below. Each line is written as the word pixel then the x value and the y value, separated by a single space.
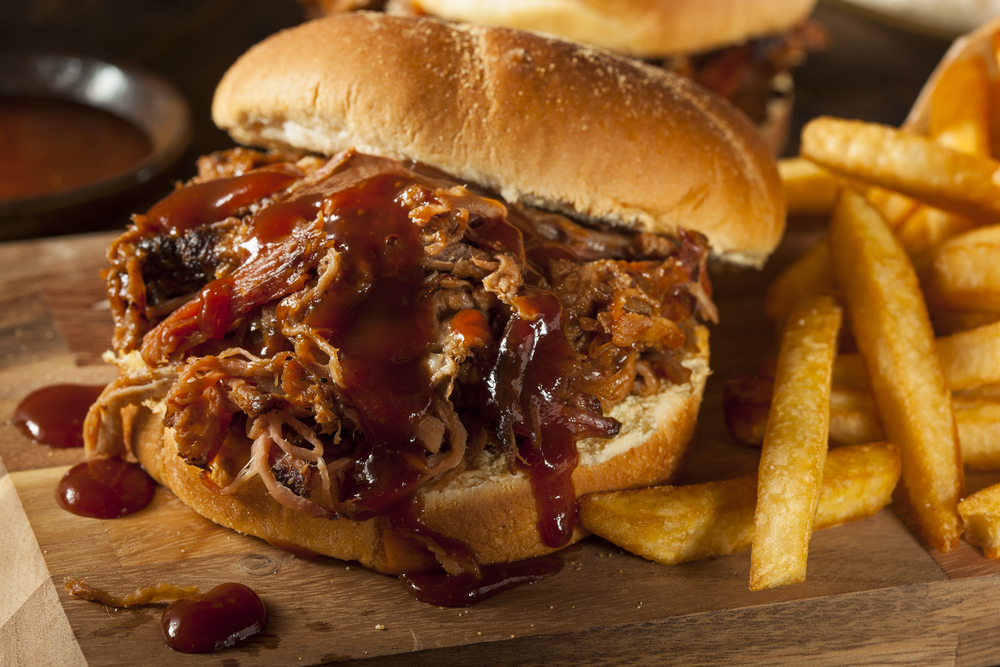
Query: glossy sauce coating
pixel 105 489
pixel 51 146
pixel 54 415
pixel 218 619
pixel 466 589
pixel 216 200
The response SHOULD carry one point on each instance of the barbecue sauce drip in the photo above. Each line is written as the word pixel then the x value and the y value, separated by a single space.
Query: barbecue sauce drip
pixel 105 489
pixel 528 384
pixel 466 589
pixel 212 621
pixel 376 315
pixel 54 415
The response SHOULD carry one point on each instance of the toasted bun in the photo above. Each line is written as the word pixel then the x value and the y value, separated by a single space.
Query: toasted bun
pixel 486 507
pixel 542 121
pixel 642 28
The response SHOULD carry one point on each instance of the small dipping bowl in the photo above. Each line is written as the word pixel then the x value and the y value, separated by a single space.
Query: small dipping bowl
pixel 145 101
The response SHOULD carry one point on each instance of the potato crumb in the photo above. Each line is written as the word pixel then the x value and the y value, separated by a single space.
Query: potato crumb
pixel 380 627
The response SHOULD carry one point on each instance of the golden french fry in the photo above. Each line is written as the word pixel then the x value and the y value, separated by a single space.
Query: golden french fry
pixel 927 228
pixel 747 403
pixel 964 272
pixel 947 321
pixel 960 107
pixel 892 206
pixel 960 120
pixel 893 332
pixel 971 358
pixel 853 420
pixel 809 275
pixel 795 444
pixel 978 431
pixel 907 163
pixel 675 524
pixel 809 189
pixel 981 514
pixel 995 95
pixel 968 359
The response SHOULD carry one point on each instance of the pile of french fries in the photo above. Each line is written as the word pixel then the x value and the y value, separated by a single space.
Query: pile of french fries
pixel 888 364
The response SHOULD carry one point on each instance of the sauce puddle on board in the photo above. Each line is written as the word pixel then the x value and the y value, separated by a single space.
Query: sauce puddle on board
pixel 100 489
pixel 54 415
pixel 212 621
pixel 105 489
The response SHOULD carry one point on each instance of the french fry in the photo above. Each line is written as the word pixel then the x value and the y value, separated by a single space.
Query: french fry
pixel 907 163
pixel 960 120
pixel 809 189
pixel 675 524
pixel 809 275
pixel 978 431
pixel 981 514
pixel 853 421
pixel 747 403
pixel 927 228
pixel 893 332
pixel 964 272
pixel 960 107
pixel 971 358
pixel 795 444
pixel 968 359
pixel 947 321
pixel 892 206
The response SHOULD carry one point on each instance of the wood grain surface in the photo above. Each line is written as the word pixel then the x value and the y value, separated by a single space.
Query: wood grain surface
pixel 874 594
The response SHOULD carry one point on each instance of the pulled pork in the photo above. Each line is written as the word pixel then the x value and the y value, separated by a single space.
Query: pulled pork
pixel 370 326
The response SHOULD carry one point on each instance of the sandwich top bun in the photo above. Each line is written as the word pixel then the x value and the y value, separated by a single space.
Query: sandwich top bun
pixel 640 28
pixel 541 121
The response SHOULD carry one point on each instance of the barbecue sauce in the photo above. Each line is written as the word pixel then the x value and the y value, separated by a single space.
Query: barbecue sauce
pixel 212 621
pixel 105 489
pixel 213 201
pixel 54 415
pixel 51 146
pixel 466 589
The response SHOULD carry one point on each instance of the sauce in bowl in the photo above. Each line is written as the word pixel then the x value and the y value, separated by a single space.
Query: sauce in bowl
pixel 52 145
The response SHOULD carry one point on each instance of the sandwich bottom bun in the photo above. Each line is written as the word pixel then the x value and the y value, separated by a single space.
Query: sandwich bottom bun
pixel 485 506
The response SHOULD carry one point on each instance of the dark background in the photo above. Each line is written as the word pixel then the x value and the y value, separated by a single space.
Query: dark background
pixel 870 71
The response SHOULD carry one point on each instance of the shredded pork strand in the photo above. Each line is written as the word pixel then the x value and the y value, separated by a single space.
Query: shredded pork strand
pixel 103 429
pixel 152 594
pixel 266 432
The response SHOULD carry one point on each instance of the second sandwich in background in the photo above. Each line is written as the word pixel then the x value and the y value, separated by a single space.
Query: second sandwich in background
pixel 742 50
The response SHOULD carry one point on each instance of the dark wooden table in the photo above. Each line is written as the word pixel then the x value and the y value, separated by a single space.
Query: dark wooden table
pixel 875 595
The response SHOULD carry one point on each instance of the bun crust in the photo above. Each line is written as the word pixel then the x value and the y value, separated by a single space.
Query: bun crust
pixel 486 507
pixel 542 121
pixel 641 28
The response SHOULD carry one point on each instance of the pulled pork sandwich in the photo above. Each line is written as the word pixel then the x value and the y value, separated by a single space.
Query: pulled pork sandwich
pixel 743 50
pixel 461 286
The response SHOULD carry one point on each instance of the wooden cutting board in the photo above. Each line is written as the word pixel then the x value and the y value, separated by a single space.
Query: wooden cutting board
pixel 875 593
